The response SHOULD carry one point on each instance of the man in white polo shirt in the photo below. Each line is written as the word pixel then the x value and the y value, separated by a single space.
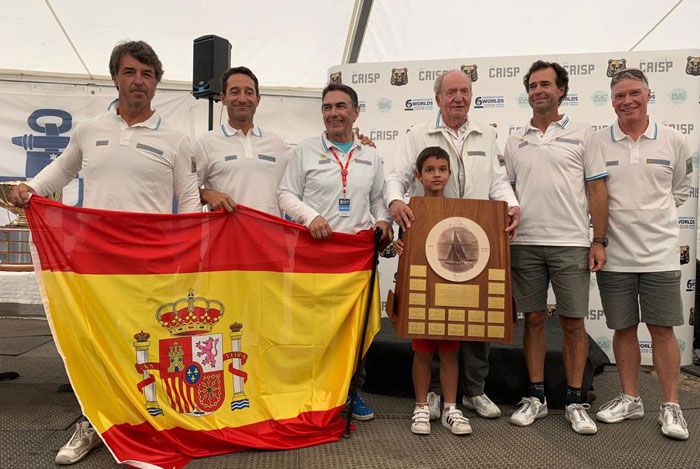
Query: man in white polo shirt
pixel 333 183
pixel 557 185
pixel 240 162
pixel 649 166
pixel 131 160
pixel 477 173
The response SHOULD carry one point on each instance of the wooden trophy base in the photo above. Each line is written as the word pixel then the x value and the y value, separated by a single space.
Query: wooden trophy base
pixel 453 278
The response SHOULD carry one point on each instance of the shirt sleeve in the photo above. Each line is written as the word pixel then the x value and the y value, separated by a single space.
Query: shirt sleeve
pixel 291 190
pixel 185 185
pixel 202 166
pixel 402 172
pixel 508 160
pixel 681 171
pixel 501 188
pixel 62 170
pixel 377 206
pixel 593 158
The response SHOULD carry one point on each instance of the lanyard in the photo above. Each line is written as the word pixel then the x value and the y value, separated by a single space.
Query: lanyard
pixel 343 170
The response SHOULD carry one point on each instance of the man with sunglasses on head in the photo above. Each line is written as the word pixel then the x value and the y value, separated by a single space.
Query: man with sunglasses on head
pixel 649 166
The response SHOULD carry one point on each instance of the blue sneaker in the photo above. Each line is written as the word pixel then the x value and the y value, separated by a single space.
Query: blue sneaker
pixel 361 410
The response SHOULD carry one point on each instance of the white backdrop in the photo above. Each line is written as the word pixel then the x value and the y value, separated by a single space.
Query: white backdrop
pixel 395 95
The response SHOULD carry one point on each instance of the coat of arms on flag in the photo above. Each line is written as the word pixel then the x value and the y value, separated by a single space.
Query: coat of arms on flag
pixel 191 362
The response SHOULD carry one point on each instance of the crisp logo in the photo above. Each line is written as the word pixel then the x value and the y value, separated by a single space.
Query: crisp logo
pixel 503 72
pixel 683 127
pixel 655 66
pixel 383 135
pixel 579 69
pixel 365 77
pixel 430 75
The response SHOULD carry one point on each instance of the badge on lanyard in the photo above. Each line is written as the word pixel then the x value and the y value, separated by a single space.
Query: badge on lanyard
pixel 344 201
pixel 344 207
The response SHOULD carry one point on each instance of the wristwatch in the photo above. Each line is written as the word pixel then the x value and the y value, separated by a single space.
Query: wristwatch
pixel 603 241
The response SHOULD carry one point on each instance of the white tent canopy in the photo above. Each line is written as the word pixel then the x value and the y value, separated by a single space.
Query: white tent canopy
pixel 293 43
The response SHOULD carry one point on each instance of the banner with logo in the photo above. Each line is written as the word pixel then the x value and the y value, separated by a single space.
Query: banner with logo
pixel 38 120
pixel 200 334
pixel 395 95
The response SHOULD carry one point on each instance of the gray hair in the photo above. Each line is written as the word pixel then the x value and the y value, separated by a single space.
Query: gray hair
pixel 437 86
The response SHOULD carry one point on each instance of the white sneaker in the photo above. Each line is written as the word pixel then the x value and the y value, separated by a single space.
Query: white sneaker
pixel 83 440
pixel 621 408
pixel 580 421
pixel 482 405
pixel 421 421
pixel 434 405
pixel 530 409
pixel 457 423
pixel 673 425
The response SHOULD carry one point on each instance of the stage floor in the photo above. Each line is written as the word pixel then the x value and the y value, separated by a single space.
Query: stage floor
pixel 37 419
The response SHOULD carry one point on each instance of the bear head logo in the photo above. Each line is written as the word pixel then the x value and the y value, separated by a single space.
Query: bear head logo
pixel 693 65
pixel 470 71
pixel 615 65
pixel 399 76
pixel 336 78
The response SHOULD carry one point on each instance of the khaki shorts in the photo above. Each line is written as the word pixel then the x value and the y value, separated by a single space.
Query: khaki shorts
pixel 534 267
pixel 657 293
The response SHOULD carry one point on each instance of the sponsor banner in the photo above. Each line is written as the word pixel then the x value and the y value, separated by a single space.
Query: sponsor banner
pixel 499 98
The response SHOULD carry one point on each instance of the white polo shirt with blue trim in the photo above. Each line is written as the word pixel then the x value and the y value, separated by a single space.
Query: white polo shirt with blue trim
pixel 248 167
pixel 549 171
pixel 131 169
pixel 648 179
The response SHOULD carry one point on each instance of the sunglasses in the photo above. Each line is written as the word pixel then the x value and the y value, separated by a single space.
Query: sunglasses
pixel 629 73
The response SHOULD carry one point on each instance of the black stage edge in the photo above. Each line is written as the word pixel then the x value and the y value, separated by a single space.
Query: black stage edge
pixel 692 370
pixel 388 366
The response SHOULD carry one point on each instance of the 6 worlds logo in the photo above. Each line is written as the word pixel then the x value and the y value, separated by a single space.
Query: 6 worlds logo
pixel 486 102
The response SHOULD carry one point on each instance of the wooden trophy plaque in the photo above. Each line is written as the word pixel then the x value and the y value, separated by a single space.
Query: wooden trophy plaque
pixel 453 278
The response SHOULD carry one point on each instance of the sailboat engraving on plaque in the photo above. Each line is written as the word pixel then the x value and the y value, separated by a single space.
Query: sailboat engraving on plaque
pixel 453 279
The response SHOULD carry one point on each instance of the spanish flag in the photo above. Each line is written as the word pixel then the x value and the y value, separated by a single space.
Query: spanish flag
pixel 194 335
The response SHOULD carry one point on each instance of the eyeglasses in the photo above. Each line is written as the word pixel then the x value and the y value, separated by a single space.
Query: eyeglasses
pixel 633 73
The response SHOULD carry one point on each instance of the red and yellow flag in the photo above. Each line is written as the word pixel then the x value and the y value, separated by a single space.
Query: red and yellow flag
pixel 194 335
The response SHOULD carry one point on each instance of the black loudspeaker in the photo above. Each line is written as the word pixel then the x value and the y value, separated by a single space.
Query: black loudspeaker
pixel 212 57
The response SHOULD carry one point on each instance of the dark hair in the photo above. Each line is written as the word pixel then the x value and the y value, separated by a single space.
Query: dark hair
pixel 435 152
pixel 139 50
pixel 345 89
pixel 239 71
pixel 562 76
